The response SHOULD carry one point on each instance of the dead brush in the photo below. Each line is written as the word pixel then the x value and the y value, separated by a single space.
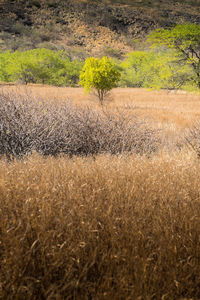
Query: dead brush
pixel 192 138
pixel 50 128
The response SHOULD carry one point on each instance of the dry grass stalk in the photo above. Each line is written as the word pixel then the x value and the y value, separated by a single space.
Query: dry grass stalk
pixel 115 227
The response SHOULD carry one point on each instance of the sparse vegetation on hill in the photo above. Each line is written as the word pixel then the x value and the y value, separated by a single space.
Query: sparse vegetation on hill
pixel 87 27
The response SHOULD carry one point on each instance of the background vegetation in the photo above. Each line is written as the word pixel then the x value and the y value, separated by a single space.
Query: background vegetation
pixel 157 70
pixel 39 66
pixel 139 69
pixel 185 40
pixel 173 63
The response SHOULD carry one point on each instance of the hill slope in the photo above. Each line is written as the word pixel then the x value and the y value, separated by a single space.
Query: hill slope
pixel 88 27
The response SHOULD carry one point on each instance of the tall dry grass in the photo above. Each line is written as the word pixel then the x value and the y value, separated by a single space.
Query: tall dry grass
pixel 123 227
pixel 177 109
pixel 99 222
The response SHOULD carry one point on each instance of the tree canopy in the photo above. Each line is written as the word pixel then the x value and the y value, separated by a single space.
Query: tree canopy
pixel 155 69
pixel 185 39
pixel 99 74
pixel 39 66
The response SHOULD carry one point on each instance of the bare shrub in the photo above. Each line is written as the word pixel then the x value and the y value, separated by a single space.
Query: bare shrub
pixel 50 128
pixel 192 137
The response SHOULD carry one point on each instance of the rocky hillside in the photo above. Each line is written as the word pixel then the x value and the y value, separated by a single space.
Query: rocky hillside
pixel 88 27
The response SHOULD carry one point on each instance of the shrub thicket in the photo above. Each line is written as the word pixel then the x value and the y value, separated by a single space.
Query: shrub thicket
pixel 52 128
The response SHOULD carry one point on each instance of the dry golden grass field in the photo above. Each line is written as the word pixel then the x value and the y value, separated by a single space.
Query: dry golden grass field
pixel 174 108
pixel 103 226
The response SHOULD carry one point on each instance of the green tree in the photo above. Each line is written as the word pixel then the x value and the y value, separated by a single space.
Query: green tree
pixel 4 59
pixel 171 73
pixel 100 75
pixel 29 66
pixel 157 70
pixel 136 71
pixel 40 66
pixel 185 39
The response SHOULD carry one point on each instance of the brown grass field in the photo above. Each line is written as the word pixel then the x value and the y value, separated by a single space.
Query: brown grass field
pixel 177 109
pixel 123 226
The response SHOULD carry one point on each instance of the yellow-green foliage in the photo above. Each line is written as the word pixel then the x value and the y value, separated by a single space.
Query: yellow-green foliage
pixel 39 66
pixel 99 74
pixel 160 69
pixel 185 39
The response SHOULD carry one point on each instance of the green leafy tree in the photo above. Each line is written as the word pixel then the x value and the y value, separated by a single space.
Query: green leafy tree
pixel 136 71
pixel 100 75
pixel 40 66
pixel 28 67
pixel 171 73
pixel 4 59
pixel 157 70
pixel 185 39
